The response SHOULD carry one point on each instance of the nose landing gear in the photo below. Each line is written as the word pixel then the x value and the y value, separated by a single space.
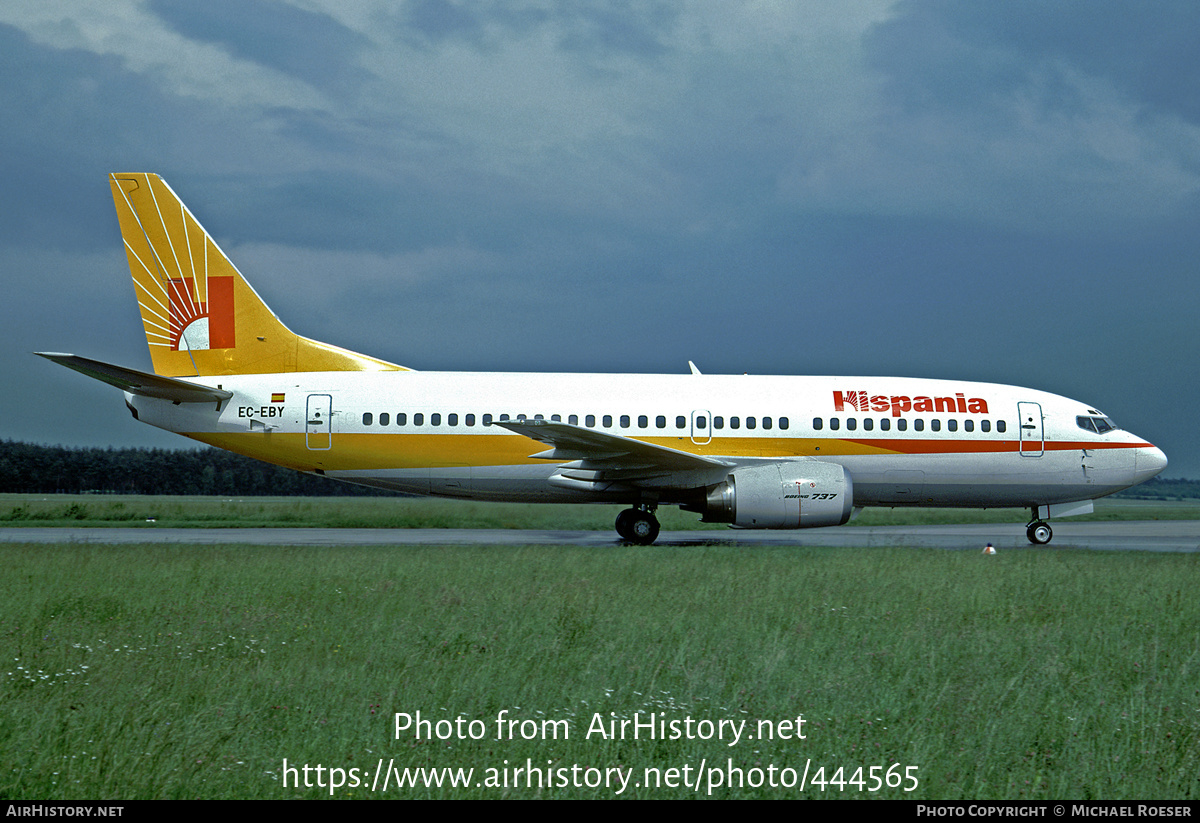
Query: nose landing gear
pixel 1039 532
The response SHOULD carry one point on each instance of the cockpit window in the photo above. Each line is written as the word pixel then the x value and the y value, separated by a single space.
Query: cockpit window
pixel 1098 424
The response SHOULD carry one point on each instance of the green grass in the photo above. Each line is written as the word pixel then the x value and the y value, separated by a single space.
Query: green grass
pixel 407 512
pixel 182 671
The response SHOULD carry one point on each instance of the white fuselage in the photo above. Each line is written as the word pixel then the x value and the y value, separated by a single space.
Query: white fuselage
pixel 904 441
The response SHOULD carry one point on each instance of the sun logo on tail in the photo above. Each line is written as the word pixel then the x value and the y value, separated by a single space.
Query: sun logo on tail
pixel 197 324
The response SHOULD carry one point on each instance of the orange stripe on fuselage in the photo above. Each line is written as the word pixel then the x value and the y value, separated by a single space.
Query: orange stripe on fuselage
pixel 898 446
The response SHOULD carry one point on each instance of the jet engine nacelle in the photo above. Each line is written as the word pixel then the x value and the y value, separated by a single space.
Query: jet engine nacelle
pixel 789 495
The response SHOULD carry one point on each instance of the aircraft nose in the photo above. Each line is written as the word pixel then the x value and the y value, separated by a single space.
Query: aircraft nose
pixel 1148 462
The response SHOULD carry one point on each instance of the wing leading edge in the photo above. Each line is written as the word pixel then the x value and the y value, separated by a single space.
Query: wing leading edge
pixel 597 461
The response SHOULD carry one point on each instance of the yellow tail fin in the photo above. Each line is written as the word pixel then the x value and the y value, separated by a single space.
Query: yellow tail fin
pixel 200 314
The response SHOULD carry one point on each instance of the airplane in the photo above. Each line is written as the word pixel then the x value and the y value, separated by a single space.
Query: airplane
pixel 753 452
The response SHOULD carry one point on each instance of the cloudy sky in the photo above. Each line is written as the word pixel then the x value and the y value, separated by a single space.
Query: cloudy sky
pixel 993 191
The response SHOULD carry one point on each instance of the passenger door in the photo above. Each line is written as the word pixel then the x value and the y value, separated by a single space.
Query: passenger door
pixel 1033 442
pixel 318 427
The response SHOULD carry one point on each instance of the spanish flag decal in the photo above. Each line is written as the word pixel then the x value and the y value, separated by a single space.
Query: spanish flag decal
pixel 277 397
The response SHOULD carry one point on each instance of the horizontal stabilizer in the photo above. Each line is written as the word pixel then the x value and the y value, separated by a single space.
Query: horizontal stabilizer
pixel 137 382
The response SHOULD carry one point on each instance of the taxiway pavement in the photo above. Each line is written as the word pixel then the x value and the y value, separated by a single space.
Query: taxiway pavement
pixel 1145 535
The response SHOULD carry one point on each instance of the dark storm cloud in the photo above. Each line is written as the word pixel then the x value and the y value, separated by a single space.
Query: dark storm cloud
pixel 1147 51
pixel 636 29
pixel 600 29
pixel 309 46
pixel 1058 116
pixel 68 117
pixel 439 19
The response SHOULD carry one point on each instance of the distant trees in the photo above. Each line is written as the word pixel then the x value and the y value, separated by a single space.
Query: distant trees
pixel 1160 489
pixel 29 468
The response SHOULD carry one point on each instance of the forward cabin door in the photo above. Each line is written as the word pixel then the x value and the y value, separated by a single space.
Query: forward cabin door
pixel 1033 442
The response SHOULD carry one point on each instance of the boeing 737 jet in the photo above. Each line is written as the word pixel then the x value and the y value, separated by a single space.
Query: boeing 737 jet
pixel 754 452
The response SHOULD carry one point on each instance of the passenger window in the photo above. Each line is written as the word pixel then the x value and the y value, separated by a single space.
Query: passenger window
pixel 718 422
pixel 418 419
pixel 557 418
pixel 902 425
pixel 367 417
pixel 435 420
pixel 401 419
pixel 969 425
pixel 885 425
pixel 702 422
pixel 607 421
pixel 384 418
pixel 735 422
pixel 851 424
pixel 935 425
pixel 985 425
pixel 766 422
pixel 470 420
pixel 573 419
pixel 834 424
pixel 452 419
pixel 661 421
pixel 503 417
pixel 590 421
pixel 624 421
pixel 919 425
pixel 818 424
pixel 751 422
pixel 952 425
pixel 868 424
pixel 1001 426
pixel 487 420
pixel 681 422
pixel 783 423
pixel 643 421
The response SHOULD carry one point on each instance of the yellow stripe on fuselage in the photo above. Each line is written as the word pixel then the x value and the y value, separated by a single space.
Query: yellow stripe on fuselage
pixel 365 451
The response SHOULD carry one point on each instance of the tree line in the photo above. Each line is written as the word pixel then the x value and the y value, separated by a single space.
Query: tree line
pixel 26 468
pixel 1159 489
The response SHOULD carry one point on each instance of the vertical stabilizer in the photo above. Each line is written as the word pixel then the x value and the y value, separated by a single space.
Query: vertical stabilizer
pixel 200 315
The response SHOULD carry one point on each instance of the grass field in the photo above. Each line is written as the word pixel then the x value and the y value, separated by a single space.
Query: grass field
pixel 431 513
pixel 194 672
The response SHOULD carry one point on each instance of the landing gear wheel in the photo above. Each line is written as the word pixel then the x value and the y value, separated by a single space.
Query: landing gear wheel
pixel 637 526
pixel 1039 533
pixel 643 528
pixel 623 521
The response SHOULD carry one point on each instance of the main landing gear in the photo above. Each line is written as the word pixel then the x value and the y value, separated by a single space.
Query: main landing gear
pixel 638 526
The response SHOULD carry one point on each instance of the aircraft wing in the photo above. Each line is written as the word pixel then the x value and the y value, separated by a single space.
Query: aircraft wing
pixel 137 382
pixel 610 454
